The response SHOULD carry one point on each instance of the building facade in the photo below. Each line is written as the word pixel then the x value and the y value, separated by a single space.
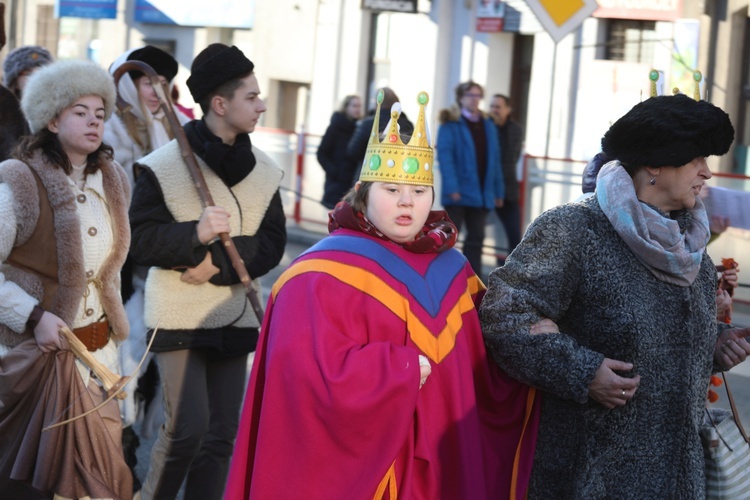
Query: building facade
pixel 309 54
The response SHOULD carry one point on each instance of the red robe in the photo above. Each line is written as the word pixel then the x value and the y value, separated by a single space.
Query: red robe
pixel 334 409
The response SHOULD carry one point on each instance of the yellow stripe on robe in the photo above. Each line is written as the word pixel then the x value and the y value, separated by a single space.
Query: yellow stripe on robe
pixel 435 347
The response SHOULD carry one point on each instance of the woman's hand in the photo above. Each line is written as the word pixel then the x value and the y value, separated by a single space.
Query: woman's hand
pixel 47 332
pixel 729 277
pixel 424 369
pixel 611 390
pixel 723 303
pixel 544 326
pixel 731 349
pixel 201 273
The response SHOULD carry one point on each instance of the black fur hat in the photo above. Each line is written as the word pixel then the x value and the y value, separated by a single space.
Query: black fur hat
pixel 215 65
pixel 668 131
pixel 164 64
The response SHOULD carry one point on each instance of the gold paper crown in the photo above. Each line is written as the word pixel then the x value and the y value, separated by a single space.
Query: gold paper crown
pixel 393 161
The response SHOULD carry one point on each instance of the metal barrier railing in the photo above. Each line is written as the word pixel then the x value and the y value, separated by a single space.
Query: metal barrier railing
pixel 545 183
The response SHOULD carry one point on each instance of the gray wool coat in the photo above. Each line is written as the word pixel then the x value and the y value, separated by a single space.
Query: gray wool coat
pixel 573 268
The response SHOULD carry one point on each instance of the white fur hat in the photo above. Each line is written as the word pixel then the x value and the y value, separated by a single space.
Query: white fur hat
pixel 53 88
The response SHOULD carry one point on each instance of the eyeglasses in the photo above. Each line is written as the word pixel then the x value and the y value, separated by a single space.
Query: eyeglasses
pixel 476 96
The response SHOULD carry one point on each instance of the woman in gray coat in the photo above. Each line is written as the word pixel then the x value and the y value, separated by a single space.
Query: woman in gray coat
pixel 626 277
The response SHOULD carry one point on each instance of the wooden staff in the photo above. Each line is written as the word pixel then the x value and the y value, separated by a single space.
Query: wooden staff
pixel 195 171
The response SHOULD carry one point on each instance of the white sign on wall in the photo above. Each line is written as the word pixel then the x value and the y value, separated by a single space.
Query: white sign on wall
pixel 221 13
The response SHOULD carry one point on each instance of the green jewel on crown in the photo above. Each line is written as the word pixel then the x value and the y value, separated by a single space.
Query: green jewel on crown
pixel 375 162
pixel 410 165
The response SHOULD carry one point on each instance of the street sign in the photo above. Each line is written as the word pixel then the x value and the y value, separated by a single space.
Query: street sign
pixel 221 13
pixel 490 16
pixel 91 9
pixel 408 6
pixel 560 17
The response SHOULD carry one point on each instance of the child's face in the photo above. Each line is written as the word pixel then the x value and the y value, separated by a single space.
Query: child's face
pixel 399 211
pixel 80 128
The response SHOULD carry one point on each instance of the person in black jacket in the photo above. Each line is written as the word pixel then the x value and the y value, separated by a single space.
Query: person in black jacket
pixel 18 66
pixel 207 327
pixel 358 143
pixel 510 134
pixel 339 168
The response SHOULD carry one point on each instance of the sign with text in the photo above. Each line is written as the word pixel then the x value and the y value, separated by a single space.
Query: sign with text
pixel 408 6
pixel 560 17
pixel 490 16
pixel 90 9
pixel 646 10
pixel 218 13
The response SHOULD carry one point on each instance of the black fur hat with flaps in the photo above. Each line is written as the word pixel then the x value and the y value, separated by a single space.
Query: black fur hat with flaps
pixel 668 131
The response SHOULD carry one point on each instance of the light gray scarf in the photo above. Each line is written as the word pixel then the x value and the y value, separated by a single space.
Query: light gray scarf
pixel 673 256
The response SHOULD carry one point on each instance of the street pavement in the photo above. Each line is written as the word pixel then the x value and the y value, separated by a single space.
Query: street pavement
pixel 300 239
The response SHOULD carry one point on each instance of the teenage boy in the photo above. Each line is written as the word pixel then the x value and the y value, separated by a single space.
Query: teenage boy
pixel 207 326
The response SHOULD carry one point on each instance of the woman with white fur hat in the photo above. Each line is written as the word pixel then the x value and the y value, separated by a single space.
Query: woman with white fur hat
pixel 64 235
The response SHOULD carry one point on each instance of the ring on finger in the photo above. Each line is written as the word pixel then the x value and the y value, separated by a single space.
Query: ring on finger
pixel 623 392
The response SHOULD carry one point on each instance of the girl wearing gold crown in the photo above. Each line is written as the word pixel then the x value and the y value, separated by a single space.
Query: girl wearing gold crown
pixel 371 378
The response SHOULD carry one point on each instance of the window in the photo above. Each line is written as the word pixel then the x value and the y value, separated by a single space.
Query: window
pixel 630 41
pixel 47 28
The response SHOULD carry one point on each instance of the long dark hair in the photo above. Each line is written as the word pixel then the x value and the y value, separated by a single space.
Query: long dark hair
pixel 50 146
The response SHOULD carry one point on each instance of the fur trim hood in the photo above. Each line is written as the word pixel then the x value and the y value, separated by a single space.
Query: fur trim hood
pixel 453 114
pixel 53 88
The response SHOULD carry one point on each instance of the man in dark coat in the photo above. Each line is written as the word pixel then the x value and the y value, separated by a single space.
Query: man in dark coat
pixel 510 134
pixel 339 168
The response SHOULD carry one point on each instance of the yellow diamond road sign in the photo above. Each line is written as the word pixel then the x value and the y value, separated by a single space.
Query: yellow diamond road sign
pixel 560 17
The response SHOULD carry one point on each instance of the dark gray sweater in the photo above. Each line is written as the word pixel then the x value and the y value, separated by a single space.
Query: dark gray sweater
pixel 574 268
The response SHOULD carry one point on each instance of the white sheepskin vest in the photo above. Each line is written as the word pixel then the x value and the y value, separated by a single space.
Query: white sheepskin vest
pixel 175 305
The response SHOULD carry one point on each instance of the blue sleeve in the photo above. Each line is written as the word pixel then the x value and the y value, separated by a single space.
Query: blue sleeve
pixel 495 160
pixel 446 147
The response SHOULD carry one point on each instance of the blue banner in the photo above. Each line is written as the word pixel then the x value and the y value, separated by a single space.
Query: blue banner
pixel 219 13
pixel 91 9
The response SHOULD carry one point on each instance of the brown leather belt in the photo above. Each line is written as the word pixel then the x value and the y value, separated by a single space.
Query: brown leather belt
pixel 94 336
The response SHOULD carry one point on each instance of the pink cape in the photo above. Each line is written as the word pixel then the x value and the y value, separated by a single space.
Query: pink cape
pixel 333 407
